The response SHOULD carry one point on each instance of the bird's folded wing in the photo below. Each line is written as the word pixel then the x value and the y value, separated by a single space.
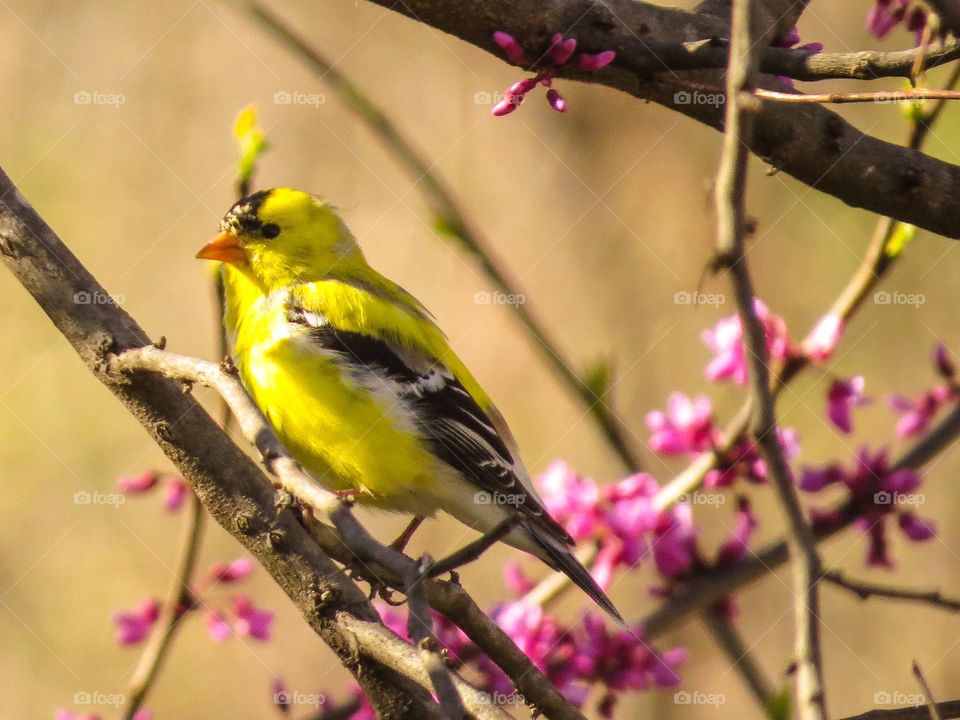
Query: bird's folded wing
pixel 450 419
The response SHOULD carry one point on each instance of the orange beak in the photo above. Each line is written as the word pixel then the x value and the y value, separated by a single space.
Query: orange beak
pixel 225 247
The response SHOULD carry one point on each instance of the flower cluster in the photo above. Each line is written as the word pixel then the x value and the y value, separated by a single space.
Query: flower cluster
pixel 236 615
pixel 559 53
pixel 887 14
pixel 875 491
pixel 916 414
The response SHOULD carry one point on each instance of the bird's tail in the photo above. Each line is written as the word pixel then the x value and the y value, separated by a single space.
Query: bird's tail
pixel 555 553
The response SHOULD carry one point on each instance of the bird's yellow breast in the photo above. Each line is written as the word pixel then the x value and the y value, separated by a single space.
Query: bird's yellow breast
pixel 346 436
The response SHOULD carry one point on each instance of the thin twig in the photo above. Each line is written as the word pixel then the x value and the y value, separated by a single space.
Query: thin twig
pixel 925 686
pixel 451 222
pixel 881 97
pixel 732 230
pixel 738 654
pixel 179 599
pixel 865 590
pixel 420 630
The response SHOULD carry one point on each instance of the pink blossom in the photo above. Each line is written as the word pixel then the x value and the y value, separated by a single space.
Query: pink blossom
pixel 572 500
pixel 726 341
pixel 63 714
pixel 875 491
pixel 136 484
pixel 943 362
pixel 232 572
pixel 177 490
pixel 134 626
pixel 736 547
pixel 516 580
pixel 218 629
pixel 559 53
pixel 251 621
pixel 686 427
pixel 822 340
pixel 674 541
pixel 842 397
pixel 887 14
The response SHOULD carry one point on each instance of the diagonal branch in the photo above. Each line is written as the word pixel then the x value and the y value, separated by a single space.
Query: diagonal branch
pixel 810 143
pixel 228 483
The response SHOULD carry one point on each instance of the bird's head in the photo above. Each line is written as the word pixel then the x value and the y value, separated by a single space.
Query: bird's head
pixel 283 236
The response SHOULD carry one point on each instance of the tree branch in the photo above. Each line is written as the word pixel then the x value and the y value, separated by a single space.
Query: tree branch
pixel 228 483
pixel 731 222
pixel 866 590
pixel 811 143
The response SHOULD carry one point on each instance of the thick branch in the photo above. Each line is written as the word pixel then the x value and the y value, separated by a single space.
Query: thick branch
pixel 811 143
pixel 228 483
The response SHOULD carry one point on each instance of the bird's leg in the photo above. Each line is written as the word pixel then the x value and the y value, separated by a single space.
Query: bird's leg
pixel 401 542
pixel 471 551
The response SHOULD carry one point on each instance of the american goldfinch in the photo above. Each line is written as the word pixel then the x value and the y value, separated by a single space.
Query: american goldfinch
pixel 361 385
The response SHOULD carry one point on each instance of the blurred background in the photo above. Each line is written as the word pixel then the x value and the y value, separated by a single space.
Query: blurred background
pixel 602 215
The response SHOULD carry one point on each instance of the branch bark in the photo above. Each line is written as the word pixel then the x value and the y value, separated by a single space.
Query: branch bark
pixel 811 143
pixel 230 485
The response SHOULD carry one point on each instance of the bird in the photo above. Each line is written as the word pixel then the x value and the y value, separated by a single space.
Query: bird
pixel 362 387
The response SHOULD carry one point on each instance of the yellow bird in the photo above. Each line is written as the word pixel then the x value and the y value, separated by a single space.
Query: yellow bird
pixel 361 385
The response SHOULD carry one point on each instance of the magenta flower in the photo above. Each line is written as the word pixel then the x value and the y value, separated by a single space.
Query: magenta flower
pixel 842 397
pixel 726 341
pixel 916 415
pixel 62 714
pixel 516 580
pixel 572 500
pixel 559 53
pixel 737 546
pixel 218 629
pixel 251 621
pixel 177 490
pixel 674 541
pixel 136 484
pixel 822 340
pixel 887 14
pixel 239 569
pixel 686 427
pixel 134 626
pixel 875 490
pixel 744 460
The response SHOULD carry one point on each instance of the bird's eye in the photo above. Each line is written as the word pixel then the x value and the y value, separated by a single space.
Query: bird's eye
pixel 270 230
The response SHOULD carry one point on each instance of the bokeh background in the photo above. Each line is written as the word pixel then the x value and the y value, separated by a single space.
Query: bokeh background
pixel 602 215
